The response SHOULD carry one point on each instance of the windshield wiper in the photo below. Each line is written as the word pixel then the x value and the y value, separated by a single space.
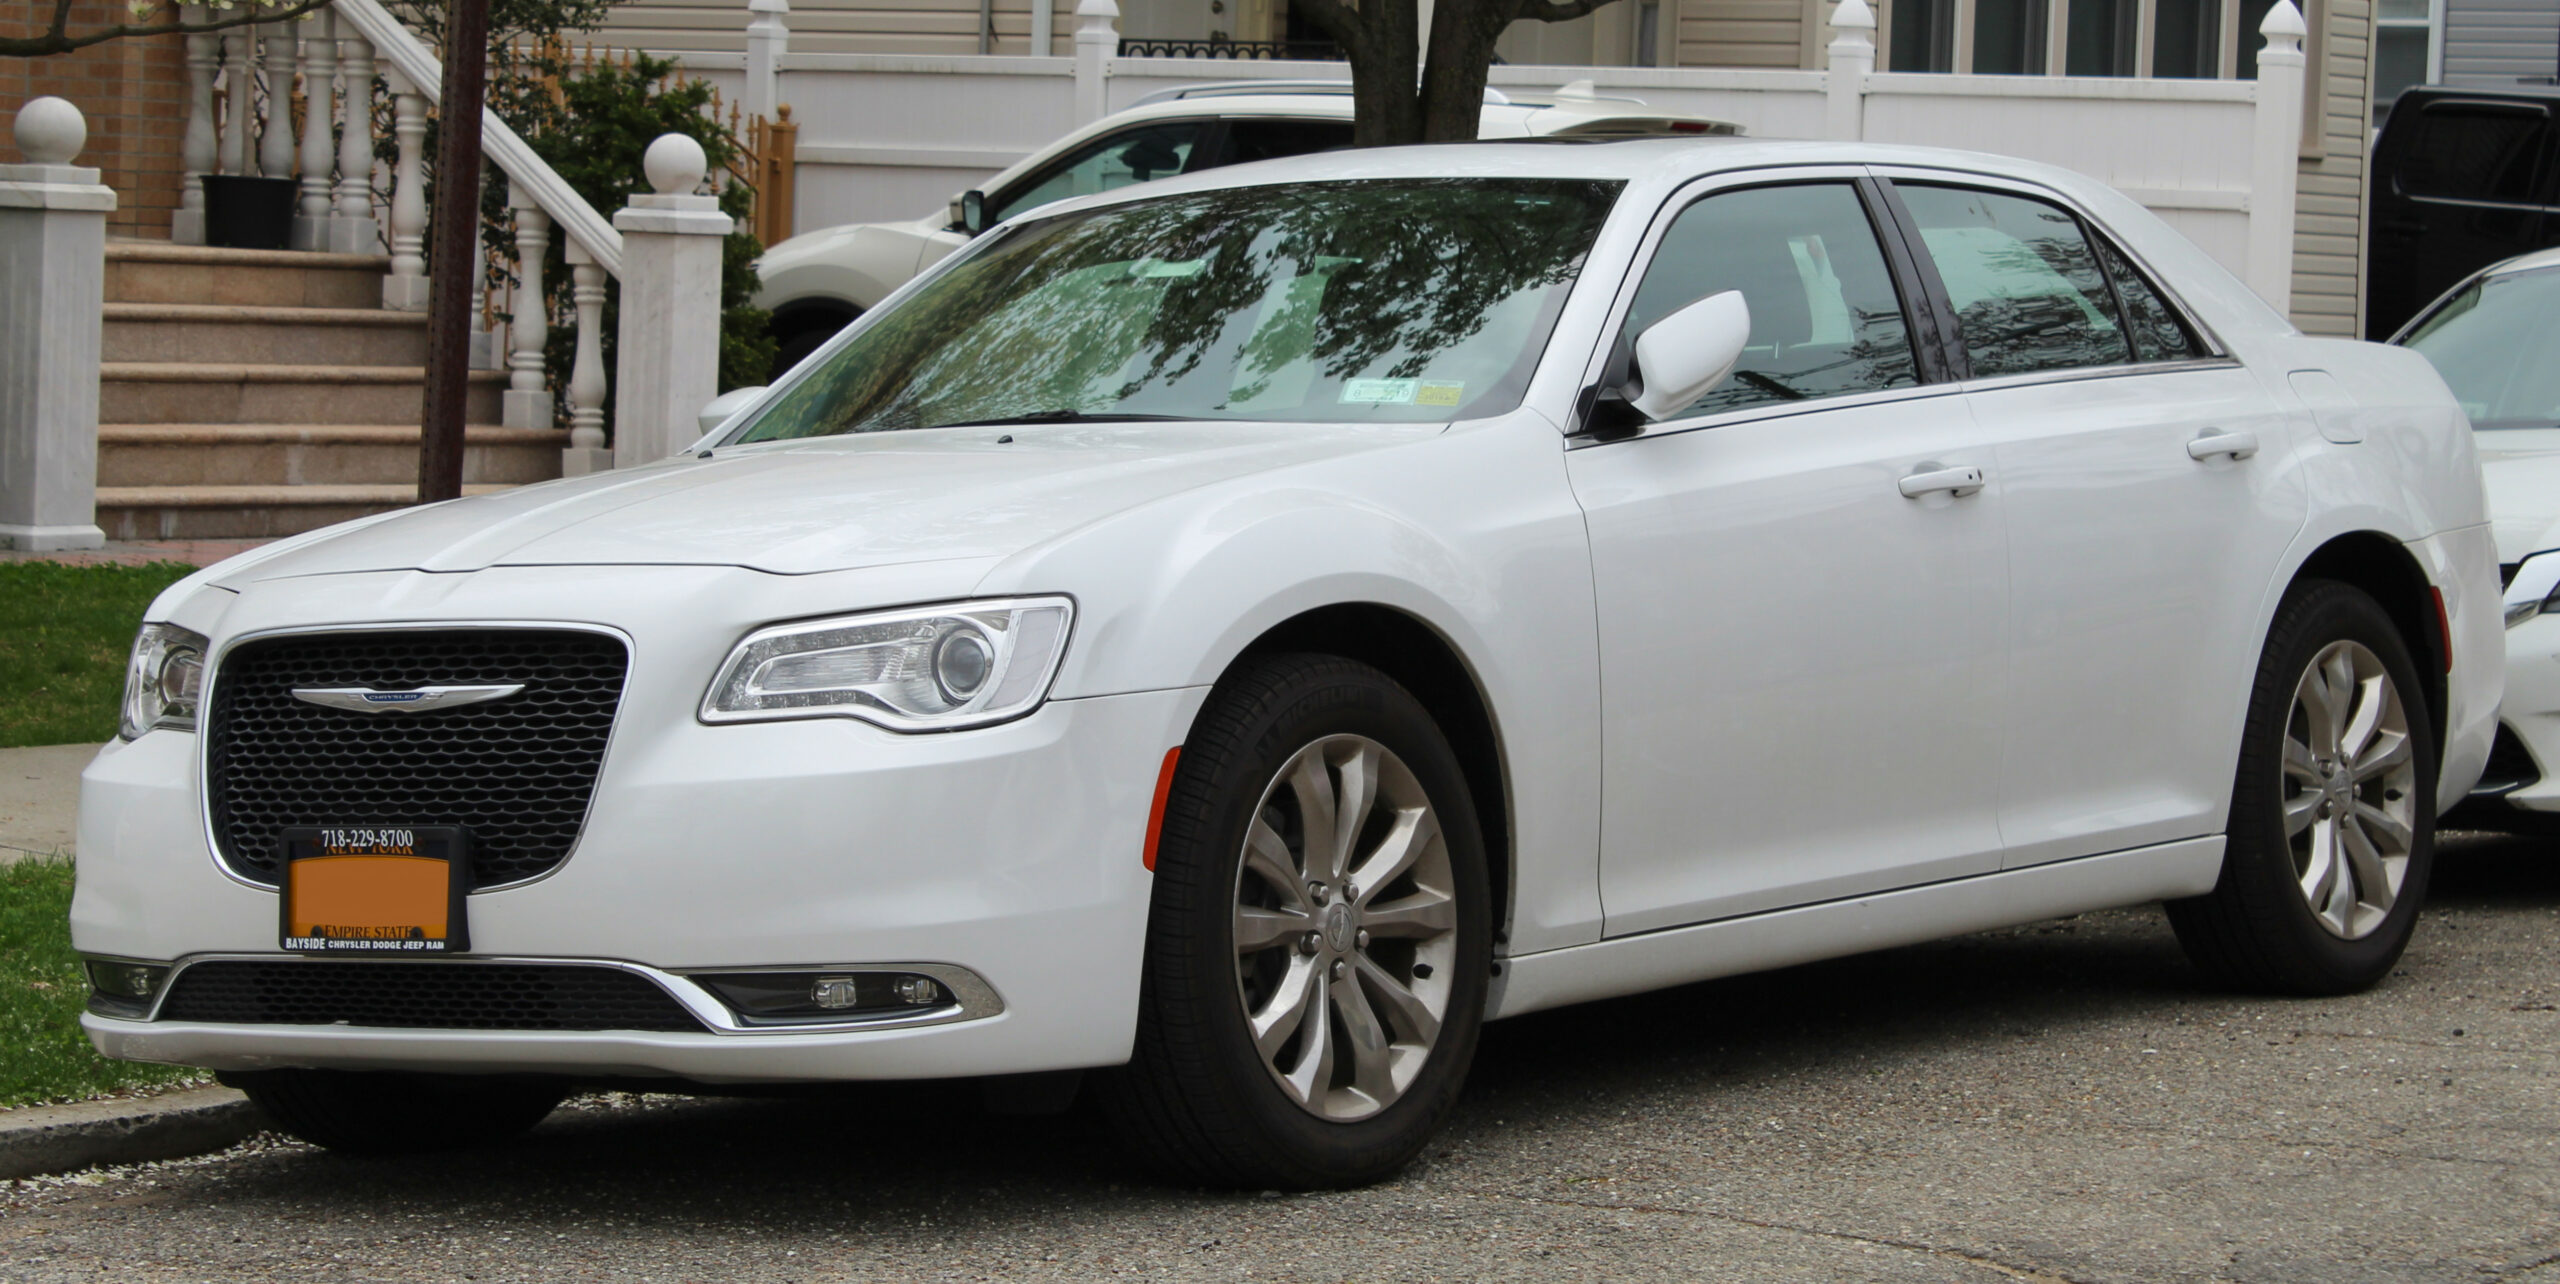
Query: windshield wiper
pixel 1059 417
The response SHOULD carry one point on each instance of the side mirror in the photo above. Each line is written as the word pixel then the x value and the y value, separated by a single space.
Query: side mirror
pixel 1684 355
pixel 727 404
pixel 972 207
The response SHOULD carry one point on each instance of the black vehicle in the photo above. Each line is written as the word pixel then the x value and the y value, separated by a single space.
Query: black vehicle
pixel 2461 179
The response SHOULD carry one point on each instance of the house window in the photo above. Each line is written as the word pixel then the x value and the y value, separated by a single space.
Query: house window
pixel 2406 49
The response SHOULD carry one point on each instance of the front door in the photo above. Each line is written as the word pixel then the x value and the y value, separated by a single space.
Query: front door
pixel 1801 587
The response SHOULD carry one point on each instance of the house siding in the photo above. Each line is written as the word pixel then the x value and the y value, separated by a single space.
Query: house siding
pixel 2329 213
pixel 2492 41
pixel 1741 33
pixel 833 26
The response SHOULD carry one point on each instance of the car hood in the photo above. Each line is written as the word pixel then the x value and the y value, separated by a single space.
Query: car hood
pixel 2522 469
pixel 827 504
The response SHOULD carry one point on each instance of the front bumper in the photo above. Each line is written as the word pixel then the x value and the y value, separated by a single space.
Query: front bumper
pixel 2529 717
pixel 1011 851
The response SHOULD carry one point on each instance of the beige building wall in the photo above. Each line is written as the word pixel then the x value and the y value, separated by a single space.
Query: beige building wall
pixel 2329 216
pixel 1750 33
pixel 838 26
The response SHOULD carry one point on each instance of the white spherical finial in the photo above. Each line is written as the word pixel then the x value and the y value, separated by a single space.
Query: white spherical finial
pixel 51 131
pixel 675 164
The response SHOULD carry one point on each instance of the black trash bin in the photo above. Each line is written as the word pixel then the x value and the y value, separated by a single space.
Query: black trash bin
pixel 249 213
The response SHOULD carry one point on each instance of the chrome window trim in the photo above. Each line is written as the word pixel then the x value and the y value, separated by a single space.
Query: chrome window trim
pixel 213 679
pixel 2152 276
pixel 978 999
pixel 2080 374
pixel 1679 202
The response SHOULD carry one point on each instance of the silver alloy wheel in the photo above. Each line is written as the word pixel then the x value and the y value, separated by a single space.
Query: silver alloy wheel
pixel 2350 789
pixel 1346 922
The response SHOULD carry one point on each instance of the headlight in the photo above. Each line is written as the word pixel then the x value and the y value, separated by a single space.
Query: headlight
pixel 2535 590
pixel 926 669
pixel 162 680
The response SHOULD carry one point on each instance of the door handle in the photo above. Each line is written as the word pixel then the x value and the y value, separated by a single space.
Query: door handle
pixel 1955 481
pixel 2238 445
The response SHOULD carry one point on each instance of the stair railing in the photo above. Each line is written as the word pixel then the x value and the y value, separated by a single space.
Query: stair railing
pixel 339 51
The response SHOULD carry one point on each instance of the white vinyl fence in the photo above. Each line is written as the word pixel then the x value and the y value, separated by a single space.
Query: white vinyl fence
pixel 887 136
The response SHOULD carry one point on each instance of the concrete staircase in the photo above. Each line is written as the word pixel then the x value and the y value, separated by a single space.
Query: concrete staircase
pixel 252 393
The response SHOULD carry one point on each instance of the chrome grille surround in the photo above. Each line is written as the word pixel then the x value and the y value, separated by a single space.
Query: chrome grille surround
pixel 519 773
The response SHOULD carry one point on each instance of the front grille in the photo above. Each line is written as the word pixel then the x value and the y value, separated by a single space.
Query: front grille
pixel 423 996
pixel 517 773
pixel 2510 768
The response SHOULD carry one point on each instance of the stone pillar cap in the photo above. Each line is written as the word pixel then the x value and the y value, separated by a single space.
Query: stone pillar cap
pixel 51 131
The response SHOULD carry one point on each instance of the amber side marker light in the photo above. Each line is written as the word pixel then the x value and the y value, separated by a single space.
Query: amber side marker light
pixel 2444 635
pixel 1155 813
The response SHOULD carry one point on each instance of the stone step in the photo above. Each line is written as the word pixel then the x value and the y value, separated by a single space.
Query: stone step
pixel 168 392
pixel 193 455
pixel 159 272
pixel 249 334
pixel 244 512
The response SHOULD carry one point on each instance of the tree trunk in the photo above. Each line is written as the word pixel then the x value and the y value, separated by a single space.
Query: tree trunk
pixel 1462 36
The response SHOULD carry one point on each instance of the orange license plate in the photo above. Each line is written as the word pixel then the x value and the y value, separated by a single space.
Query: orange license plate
pixel 375 889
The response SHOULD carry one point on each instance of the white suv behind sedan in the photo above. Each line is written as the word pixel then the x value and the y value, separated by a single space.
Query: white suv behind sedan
pixel 816 282
pixel 1232 637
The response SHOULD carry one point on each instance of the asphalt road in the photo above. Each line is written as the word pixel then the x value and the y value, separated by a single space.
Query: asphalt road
pixel 2059 1102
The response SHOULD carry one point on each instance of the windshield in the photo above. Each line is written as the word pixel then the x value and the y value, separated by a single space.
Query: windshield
pixel 2495 344
pixel 1376 301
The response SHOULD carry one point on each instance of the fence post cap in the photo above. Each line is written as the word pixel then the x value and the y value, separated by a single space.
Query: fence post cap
pixel 1097 9
pixel 1853 14
pixel 50 131
pixel 768 6
pixel 675 164
pixel 2283 20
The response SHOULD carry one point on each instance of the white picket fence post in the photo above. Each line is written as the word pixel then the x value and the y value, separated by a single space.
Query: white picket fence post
pixel 1097 43
pixel 2275 156
pixel 1851 54
pixel 768 38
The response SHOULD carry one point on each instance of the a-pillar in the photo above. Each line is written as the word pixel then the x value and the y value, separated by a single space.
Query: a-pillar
pixel 53 264
pixel 667 367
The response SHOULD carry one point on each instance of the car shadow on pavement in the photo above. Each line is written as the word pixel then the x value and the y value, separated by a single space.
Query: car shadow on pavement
pixel 928 1156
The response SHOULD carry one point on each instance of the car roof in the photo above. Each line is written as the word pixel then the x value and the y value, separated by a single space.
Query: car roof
pixel 2538 88
pixel 2548 257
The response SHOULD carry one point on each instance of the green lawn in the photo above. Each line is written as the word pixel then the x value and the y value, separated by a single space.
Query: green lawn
pixel 64 635
pixel 43 1055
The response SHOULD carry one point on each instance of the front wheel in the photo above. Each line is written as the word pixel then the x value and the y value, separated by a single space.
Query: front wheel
pixel 2332 828
pixel 1319 941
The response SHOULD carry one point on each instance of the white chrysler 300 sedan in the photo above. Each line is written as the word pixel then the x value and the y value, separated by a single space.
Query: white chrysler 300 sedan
pixel 1239 634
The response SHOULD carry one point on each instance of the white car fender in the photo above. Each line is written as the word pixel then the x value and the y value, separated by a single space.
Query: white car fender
pixel 1173 591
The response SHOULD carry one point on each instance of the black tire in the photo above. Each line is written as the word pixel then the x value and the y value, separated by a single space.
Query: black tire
pixel 391 1113
pixel 1198 1102
pixel 2256 929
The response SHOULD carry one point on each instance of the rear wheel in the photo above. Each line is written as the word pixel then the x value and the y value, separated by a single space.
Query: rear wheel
pixel 393 1113
pixel 2332 828
pixel 1319 940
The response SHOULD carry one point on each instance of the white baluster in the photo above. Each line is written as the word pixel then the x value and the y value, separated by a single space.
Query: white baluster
pixel 196 156
pixel 484 345
pixel 352 229
pixel 405 290
pixel 319 76
pixel 586 452
pixel 239 85
pixel 275 139
pixel 528 400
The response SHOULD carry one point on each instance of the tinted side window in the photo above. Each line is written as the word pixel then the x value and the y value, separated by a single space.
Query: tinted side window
pixel 2026 288
pixel 1825 318
pixel 1153 151
pixel 2158 335
pixel 2474 152
pixel 1253 140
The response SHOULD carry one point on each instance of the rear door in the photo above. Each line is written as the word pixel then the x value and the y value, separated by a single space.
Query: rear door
pixel 2151 493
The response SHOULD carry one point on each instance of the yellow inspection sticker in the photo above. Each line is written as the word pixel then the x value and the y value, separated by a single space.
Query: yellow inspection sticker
pixel 1440 394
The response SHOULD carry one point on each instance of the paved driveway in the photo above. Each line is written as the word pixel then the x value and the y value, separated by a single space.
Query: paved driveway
pixel 2055 1102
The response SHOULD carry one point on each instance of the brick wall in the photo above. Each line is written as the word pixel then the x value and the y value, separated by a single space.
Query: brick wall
pixel 134 95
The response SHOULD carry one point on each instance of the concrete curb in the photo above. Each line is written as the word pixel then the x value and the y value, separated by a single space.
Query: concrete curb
pixel 123 1130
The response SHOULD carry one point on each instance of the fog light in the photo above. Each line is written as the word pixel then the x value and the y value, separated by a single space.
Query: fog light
pixel 834 992
pixel 119 988
pixel 917 991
